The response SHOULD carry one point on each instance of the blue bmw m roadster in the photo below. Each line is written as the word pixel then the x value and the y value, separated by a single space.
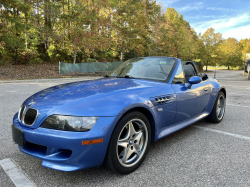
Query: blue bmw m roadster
pixel 114 119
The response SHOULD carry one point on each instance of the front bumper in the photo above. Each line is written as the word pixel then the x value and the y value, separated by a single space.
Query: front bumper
pixel 63 150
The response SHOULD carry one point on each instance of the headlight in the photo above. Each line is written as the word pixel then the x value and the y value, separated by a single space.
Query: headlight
pixel 69 123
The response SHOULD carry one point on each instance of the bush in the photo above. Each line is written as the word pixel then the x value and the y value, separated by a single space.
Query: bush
pixel 29 57
pixel 91 60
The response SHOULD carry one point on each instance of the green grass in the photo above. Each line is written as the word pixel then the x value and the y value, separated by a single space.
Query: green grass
pixel 223 68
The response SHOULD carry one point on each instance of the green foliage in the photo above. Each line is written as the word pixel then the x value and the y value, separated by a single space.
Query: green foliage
pixel 91 60
pixel 212 42
pixel 106 30
pixel 231 53
pixel 245 47
pixel 130 54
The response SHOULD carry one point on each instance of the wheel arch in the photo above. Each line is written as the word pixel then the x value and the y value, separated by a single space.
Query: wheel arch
pixel 148 115
pixel 223 90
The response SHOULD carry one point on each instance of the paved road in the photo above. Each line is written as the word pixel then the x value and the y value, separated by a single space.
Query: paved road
pixel 202 154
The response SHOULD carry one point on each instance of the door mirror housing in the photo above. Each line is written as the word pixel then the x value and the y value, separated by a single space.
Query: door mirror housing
pixel 194 80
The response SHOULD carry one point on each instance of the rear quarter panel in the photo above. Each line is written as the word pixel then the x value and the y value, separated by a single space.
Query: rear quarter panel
pixel 215 89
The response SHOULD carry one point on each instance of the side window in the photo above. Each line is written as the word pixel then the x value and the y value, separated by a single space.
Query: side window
pixel 179 76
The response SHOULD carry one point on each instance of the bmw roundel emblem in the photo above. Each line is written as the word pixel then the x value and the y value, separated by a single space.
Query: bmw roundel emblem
pixel 31 103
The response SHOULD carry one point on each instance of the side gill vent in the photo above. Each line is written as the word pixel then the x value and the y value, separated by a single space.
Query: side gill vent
pixel 161 100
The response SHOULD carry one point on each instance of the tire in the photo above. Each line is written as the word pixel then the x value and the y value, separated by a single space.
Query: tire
pixel 218 111
pixel 133 134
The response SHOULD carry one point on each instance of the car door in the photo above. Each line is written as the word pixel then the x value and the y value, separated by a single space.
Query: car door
pixel 164 108
pixel 191 100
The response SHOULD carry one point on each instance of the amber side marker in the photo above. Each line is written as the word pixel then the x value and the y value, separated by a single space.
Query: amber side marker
pixel 87 142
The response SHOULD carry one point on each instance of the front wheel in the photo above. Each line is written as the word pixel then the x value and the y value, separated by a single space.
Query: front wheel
pixel 218 111
pixel 129 143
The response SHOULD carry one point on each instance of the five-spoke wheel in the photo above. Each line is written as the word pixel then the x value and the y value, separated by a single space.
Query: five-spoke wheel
pixel 218 111
pixel 220 106
pixel 129 143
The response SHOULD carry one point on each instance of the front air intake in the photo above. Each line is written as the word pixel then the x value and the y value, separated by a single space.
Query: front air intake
pixel 30 116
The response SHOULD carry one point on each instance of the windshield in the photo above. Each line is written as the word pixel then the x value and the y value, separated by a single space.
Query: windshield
pixel 155 68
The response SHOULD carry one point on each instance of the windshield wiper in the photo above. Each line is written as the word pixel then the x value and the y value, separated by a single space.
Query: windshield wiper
pixel 127 76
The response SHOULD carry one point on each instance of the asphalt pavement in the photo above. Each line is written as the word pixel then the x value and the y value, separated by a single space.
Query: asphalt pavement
pixel 202 154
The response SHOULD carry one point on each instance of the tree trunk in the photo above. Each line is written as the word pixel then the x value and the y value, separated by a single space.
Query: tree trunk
pixel 206 68
pixel 228 67
pixel 46 44
pixel 16 35
pixel 47 22
pixel 26 21
pixel 110 27
pixel 37 9
pixel 74 57
pixel 68 19
pixel 16 56
pixel 121 57
pixel 47 14
pixel 63 26
pixel 26 42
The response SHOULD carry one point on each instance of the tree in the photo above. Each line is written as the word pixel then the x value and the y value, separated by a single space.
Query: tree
pixel 179 38
pixel 212 41
pixel 12 25
pixel 129 26
pixel 245 44
pixel 153 28
pixel 231 53
pixel 200 52
pixel 67 30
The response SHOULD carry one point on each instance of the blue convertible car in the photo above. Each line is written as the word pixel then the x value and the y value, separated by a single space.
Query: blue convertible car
pixel 114 119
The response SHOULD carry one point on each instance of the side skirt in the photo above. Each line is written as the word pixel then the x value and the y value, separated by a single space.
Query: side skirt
pixel 175 127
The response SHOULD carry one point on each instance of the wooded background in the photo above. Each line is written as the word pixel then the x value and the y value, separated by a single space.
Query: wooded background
pixel 74 31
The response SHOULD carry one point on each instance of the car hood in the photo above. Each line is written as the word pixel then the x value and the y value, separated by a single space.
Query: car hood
pixel 86 98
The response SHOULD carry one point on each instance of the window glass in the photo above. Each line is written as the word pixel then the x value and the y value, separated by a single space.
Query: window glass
pixel 154 68
pixel 179 76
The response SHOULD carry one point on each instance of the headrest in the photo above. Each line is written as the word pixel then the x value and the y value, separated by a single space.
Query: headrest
pixel 189 70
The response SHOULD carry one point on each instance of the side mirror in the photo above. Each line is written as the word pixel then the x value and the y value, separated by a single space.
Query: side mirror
pixel 194 80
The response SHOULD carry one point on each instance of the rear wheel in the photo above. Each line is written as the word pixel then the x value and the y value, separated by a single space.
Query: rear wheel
pixel 218 111
pixel 129 143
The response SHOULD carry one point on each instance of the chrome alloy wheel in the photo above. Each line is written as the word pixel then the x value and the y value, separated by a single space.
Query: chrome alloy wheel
pixel 220 109
pixel 132 142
